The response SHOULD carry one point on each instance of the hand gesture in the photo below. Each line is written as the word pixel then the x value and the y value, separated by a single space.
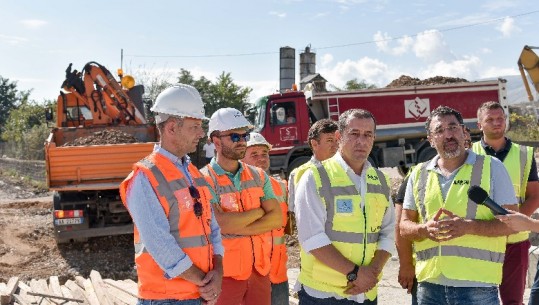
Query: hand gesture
pixel 211 286
pixel 367 278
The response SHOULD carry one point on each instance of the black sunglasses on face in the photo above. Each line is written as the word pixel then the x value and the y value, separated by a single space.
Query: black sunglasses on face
pixel 236 137
pixel 196 197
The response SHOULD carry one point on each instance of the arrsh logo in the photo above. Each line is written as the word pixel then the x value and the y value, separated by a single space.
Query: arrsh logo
pixel 288 134
pixel 416 108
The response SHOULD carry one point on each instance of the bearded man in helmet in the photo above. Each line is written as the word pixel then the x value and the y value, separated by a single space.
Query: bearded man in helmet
pixel 247 213
pixel 257 154
pixel 178 248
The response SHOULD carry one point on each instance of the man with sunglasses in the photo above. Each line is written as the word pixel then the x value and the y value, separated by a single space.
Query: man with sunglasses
pixel 520 163
pixel 247 212
pixel 257 154
pixel 178 248
pixel 459 245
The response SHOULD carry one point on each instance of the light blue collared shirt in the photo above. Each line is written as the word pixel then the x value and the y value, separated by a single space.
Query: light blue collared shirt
pixel 153 226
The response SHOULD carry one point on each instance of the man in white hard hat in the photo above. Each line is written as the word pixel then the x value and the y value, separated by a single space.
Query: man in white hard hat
pixel 178 247
pixel 247 212
pixel 257 154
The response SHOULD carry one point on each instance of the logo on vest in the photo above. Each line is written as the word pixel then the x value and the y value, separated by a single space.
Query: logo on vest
pixel 461 182
pixel 372 177
pixel 344 206
pixel 229 203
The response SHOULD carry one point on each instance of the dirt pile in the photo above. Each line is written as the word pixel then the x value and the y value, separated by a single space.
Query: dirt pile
pixel 107 136
pixel 405 80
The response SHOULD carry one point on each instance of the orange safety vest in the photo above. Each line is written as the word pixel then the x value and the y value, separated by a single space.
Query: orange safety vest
pixel 242 253
pixel 279 257
pixel 172 189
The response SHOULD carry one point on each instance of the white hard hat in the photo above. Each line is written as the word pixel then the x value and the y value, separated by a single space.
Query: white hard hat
pixel 227 119
pixel 257 139
pixel 179 100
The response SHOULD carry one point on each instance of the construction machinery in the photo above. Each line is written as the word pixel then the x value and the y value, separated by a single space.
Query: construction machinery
pixel 529 61
pixel 85 175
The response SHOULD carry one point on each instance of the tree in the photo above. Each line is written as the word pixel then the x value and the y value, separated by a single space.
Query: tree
pixel 354 84
pixel 8 99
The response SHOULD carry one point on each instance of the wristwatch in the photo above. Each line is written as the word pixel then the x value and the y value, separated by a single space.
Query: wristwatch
pixel 352 275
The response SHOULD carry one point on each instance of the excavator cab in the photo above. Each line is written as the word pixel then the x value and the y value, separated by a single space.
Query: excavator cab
pixel 529 61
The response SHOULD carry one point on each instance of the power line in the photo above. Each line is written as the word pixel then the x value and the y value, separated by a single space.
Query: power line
pixel 336 46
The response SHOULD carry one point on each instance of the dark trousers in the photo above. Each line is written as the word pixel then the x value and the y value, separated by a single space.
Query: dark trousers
pixel 515 271
pixel 306 299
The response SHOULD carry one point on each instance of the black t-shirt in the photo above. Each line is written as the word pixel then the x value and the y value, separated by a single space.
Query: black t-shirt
pixel 502 153
pixel 399 198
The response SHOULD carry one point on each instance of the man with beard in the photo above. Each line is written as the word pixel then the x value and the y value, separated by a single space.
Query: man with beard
pixel 345 219
pixel 459 245
pixel 257 154
pixel 520 163
pixel 247 211
pixel 178 250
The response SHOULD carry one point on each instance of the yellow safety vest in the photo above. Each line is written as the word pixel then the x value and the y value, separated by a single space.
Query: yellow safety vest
pixel 469 257
pixel 518 163
pixel 354 231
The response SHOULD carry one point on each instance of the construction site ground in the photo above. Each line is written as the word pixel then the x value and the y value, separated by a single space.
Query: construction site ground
pixel 28 249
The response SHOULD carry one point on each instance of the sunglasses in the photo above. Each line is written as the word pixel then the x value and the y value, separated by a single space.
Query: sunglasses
pixel 236 137
pixel 196 197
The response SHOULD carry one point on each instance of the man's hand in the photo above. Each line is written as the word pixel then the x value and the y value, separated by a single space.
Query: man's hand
pixel 452 226
pixel 211 286
pixel 367 278
pixel 406 276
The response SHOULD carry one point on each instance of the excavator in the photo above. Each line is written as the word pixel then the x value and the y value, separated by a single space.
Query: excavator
pixel 529 61
pixel 94 97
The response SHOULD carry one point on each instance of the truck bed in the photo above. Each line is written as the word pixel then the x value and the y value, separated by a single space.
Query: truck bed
pixel 93 167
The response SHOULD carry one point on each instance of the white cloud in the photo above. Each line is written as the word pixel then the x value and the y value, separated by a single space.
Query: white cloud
pixel 326 59
pixel 508 27
pixel 499 5
pixel 382 41
pixel 33 23
pixel 278 14
pixel 373 71
pixel 260 88
pixel 320 15
pixel 467 67
pixel 431 47
pixel 497 72
pixel 486 50
pixel 12 40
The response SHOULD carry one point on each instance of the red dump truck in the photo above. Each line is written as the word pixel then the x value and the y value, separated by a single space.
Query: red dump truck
pixel 100 133
pixel 285 118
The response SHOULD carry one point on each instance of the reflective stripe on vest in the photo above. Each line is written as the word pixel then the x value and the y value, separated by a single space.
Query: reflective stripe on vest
pixel 518 164
pixel 461 257
pixel 279 256
pixel 353 224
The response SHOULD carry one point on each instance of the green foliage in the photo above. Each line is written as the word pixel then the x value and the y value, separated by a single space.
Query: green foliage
pixel 9 98
pixel 523 128
pixel 219 94
pixel 355 84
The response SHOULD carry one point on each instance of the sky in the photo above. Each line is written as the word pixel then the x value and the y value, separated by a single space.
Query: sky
pixel 371 40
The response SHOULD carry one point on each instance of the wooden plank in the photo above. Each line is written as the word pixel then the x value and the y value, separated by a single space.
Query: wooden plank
pixel 54 285
pixel 119 293
pixel 20 300
pixel 40 286
pixel 76 291
pixel 23 292
pixel 80 281
pixel 8 291
pixel 126 287
pixel 99 288
pixel 67 293
pixel 89 292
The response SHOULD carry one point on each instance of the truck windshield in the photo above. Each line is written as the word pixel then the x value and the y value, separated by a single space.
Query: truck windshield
pixel 260 113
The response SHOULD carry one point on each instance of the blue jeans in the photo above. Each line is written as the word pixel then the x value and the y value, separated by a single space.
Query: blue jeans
pixel 306 299
pixel 279 294
pixel 170 302
pixel 432 294
pixel 534 293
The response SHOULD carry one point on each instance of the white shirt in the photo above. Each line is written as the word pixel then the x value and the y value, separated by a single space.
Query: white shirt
pixel 209 149
pixel 311 218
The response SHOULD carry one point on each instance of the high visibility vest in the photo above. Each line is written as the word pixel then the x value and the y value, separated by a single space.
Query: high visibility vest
pixel 279 257
pixel 354 231
pixel 469 257
pixel 172 189
pixel 242 253
pixel 293 180
pixel 518 163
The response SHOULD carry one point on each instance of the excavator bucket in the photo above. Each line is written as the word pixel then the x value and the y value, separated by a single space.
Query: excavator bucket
pixel 529 61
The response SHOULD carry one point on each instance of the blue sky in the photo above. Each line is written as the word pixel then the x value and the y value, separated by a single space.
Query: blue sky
pixel 372 40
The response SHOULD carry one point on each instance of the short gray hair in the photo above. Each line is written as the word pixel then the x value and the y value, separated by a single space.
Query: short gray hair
pixel 356 113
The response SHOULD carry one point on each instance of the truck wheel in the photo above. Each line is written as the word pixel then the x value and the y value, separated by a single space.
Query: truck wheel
pixel 296 163
pixel 426 154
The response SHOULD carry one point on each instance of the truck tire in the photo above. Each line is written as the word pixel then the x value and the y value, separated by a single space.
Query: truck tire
pixel 426 154
pixel 296 163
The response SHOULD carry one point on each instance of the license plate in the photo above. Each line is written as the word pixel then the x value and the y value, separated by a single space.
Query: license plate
pixel 68 221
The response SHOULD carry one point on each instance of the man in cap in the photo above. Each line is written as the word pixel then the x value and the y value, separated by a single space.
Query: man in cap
pixel 345 219
pixel 178 249
pixel 247 212
pixel 257 154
